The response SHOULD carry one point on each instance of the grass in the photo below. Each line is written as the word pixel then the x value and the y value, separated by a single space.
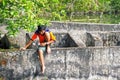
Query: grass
pixel 1 78
pixel 105 18
pixel 8 50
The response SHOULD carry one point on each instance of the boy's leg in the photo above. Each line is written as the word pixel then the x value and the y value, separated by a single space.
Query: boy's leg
pixel 48 49
pixel 41 58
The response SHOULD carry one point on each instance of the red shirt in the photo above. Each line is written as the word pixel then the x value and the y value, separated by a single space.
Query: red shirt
pixel 41 37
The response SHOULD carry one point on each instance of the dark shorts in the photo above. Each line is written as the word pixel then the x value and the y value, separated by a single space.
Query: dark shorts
pixel 43 48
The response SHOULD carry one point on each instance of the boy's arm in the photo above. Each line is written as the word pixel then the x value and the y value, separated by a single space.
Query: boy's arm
pixel 34 36
pixel 47 34
pixel 27 45
pixel 49 42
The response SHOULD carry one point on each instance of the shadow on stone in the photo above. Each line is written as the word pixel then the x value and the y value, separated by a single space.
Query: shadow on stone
pixel 63 40
pixel 4 42
pixel 118 43
pixel 90 40
pixel 6 74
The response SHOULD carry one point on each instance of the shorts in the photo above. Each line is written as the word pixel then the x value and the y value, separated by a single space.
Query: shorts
pixel 43 48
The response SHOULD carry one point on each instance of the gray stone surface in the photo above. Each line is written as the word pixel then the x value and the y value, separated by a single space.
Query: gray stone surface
pixel 82 51
pixel 84 26
pixel 63 63
pixel 74 29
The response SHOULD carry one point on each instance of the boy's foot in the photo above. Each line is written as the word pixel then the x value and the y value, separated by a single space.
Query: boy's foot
pixel 43 69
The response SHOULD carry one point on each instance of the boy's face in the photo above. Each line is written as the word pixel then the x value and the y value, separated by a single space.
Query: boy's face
pixel 42 32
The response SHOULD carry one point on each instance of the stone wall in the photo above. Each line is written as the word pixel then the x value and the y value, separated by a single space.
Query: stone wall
pixel 84 26
pixel 102 63
pixel 83 51
pixel 73 28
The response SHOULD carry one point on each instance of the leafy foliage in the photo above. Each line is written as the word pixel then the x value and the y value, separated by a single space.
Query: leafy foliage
pixel 115 5
pixel 26 14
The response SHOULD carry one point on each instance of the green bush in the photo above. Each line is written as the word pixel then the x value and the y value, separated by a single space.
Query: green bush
pixel 27 14
pixel 115 6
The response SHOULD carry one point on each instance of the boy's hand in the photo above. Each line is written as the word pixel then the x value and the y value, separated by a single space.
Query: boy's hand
pixel 22 48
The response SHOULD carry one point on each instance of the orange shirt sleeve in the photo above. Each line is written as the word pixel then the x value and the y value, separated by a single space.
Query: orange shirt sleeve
pixel 34 36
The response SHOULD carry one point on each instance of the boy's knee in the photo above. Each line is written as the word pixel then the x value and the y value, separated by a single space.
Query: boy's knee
pixel 40 51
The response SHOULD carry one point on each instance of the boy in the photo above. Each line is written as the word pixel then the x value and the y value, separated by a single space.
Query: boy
pixel 45 39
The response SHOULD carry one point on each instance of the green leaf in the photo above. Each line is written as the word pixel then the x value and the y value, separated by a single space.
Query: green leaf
pixel 55 1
